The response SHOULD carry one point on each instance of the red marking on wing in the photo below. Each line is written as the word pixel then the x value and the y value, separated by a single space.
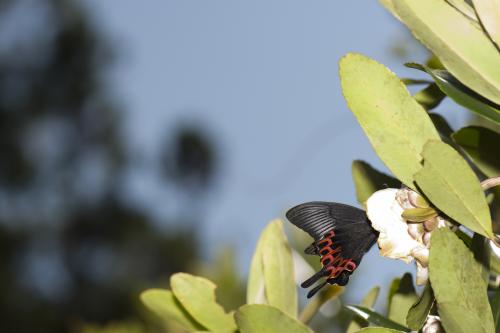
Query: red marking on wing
pixel 331 257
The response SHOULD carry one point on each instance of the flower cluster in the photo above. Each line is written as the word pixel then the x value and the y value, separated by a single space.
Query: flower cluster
pixel 405 222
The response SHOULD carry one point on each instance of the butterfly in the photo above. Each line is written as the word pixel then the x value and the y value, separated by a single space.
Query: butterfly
pixel 342 235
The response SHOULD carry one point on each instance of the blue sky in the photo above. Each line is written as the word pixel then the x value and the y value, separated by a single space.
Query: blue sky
pixel 261 76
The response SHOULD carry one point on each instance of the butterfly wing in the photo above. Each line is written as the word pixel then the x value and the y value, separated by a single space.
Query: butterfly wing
pixel 342 235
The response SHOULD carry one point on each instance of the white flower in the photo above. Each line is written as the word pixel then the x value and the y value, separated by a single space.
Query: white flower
pixel 394 241
pixel 398 238
pixel 432 325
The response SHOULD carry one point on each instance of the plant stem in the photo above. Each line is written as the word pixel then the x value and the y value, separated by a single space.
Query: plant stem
pixel 490 182
pixel 310 310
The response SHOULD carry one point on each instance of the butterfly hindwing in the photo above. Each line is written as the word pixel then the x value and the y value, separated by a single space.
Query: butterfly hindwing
pixel 342 234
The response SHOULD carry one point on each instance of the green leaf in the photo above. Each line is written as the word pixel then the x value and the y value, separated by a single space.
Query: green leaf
pixel 465 9
pixel 164 304
pixel 402 300
pixel 462 47
pixel 368 301
pixel 482 147
pixel 481 250
pixel 375 318
pixel 330 293
pixel 418 214
pixel 255 286
pixel 450 184
pixel 389 6
pixel 495 308
pixel 442 126
pixel 489 15
pixel 368 180
pixel 417 315
pixel 456 280
pixel 461 94
pixel 197 296
pixel 396 125
pixel 378 330
pixel 260 318
pixel 430 96
pixel 277 261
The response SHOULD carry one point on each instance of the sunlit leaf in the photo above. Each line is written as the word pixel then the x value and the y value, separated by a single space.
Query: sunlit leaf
pixel 260 318
pixel 402 300
pixel 465 9
pixel 450 184
pixel 368 180
pixel 482 145
pixel 461 94
pixel 255 286
pixel 396 125
pixel 419 311
pixel 197 296
pixel 457 284
pixel 368 301
pixel 375 318
pixel 462 47
pixel 280 288
pixel 389 6
pixel 164 304
pixel 489 15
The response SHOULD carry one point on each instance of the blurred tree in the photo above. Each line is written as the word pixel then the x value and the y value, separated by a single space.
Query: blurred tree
pixel 71 250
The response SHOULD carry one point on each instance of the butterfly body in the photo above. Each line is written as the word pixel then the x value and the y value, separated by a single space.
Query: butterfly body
pixel 342 235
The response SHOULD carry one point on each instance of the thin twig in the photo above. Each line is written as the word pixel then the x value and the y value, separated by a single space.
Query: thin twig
pixel 490 182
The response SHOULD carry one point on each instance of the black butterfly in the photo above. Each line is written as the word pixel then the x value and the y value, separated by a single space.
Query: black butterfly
pixel 342 235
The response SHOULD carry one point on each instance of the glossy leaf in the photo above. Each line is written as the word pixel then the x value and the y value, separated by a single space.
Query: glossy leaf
pixel 368 301
pixel 164 304
pixel 489 15
pixel 417 315
pixel 402 299
pixel 368 180
pixel 461 94
pixel 197 296
pixel 396 125
pixel 457 284
pixel 482 145
pixel 375 318
pixel 462 47
pixel 450 184
pixel 280 287
pixel 260 318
